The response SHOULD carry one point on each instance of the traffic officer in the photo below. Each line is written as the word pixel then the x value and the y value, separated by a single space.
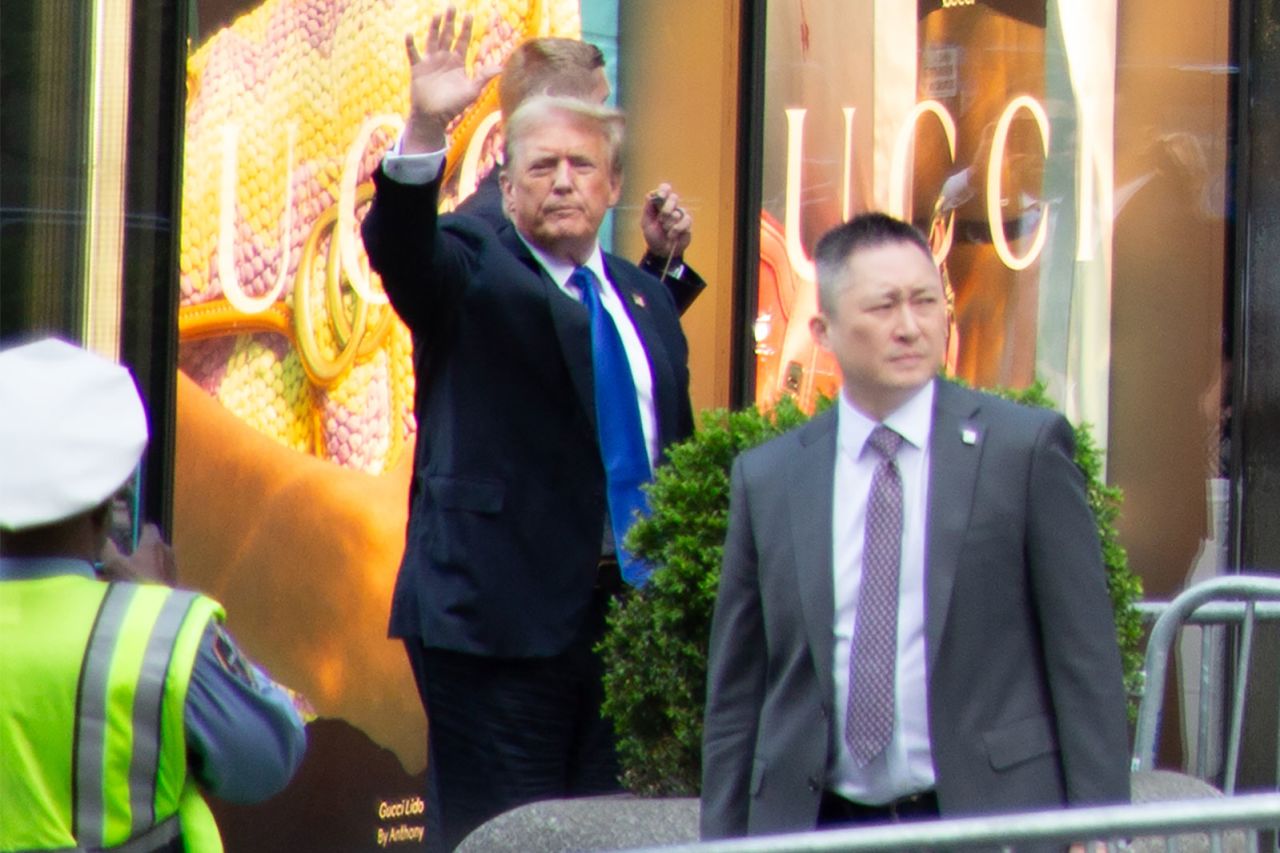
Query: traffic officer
pixel 120 702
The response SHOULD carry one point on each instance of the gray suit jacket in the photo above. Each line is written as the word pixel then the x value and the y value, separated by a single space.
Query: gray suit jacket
pixel 1026 702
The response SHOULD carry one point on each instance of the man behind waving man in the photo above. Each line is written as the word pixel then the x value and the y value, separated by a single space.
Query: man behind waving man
pixel 913 617
pixel 550 377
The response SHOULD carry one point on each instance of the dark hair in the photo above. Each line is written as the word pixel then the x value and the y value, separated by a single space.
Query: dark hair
pixel 548 66
pixel 864 231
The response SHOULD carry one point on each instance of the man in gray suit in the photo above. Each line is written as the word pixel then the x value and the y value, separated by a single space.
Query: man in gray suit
pixel 913 617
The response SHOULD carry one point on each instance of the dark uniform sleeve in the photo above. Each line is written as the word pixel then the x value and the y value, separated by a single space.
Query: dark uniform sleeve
pixel 245 739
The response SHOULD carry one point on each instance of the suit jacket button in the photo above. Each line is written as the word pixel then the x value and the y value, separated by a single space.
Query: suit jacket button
pixel 813 784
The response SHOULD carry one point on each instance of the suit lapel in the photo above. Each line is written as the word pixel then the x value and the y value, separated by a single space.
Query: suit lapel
pixel 568 317
pixel 955 451
pixel 635 302
pixel 810 488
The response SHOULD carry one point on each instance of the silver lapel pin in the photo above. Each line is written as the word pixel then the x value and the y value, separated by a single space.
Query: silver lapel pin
pixel 969 435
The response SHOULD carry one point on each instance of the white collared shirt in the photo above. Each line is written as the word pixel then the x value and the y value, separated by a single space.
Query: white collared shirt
pixel 424 168
pixel 906 765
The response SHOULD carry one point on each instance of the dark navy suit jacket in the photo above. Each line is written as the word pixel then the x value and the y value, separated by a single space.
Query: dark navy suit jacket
pixel 508 498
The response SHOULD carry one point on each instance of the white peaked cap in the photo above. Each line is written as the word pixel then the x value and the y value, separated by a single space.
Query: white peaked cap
pixel 72 430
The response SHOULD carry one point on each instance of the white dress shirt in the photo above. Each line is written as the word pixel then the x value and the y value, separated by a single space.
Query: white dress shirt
pixel 906 765
pixel 424 168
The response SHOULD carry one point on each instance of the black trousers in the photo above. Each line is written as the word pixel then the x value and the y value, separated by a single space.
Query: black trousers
pixel 503 732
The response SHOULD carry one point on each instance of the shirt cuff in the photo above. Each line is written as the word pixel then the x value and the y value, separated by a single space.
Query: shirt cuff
pixel 654 264
pixel 415 169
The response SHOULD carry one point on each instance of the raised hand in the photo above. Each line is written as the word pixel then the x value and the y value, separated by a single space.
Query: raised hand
pixel 440 87
pixel 667 227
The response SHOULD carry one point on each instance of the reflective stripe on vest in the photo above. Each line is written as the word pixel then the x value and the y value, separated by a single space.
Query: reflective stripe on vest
pixel 162 836
pixel 92 775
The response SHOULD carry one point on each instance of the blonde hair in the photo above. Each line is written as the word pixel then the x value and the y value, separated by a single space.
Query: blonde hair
pixel 539 109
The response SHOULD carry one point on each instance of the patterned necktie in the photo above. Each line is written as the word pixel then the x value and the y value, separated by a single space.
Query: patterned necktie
pixel 869 724
pixel 622 445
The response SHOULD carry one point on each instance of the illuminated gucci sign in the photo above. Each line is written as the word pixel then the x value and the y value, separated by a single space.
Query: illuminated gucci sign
pixel 899 176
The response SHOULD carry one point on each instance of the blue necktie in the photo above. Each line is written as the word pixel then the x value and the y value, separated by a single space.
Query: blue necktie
pixel 622 444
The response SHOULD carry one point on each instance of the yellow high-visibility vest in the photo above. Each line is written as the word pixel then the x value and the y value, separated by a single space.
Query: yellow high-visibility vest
pixel 93 687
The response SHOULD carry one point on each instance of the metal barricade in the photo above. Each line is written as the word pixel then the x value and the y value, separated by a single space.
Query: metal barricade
pixel 1227 823
pixel 1230 600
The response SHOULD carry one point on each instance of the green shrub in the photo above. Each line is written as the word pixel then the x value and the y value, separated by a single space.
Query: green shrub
pixel 655 647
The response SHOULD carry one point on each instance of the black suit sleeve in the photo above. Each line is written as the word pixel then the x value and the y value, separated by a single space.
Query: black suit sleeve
pixel 684 288
pixel 424 272
pixel 485 203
